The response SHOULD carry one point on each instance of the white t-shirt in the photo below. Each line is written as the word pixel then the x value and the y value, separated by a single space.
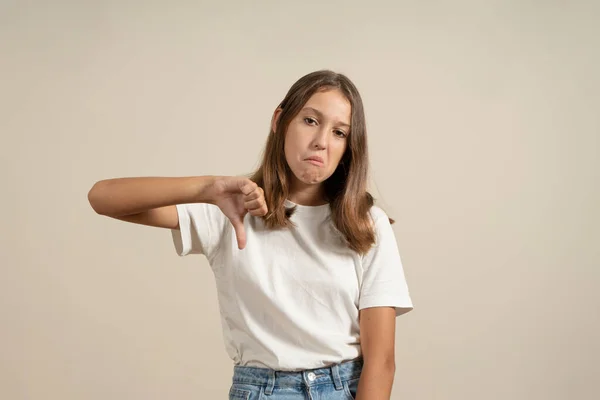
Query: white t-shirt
pixel 290 299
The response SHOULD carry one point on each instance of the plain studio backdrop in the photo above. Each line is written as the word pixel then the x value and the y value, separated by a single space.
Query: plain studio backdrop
pixel 484 133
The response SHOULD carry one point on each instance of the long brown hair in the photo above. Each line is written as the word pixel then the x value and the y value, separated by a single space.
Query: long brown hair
pixel 346 189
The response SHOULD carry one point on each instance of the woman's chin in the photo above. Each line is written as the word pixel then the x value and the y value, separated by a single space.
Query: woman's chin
pixel 311 178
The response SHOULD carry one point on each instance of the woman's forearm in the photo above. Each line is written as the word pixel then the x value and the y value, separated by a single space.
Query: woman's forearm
pixel 126 196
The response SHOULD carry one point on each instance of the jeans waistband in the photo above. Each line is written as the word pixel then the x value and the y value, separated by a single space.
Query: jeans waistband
pixel 269 378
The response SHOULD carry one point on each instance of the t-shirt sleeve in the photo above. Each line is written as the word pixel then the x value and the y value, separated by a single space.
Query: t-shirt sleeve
pixel 200 228
pixel 384 283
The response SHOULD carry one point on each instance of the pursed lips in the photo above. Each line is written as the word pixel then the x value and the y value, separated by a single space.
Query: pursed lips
pixel 315 160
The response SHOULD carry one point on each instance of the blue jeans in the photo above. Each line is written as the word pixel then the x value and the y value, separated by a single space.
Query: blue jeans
pixel 337 382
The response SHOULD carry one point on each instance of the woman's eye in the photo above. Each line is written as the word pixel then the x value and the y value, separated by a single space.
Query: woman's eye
pixel 310 121
pixel 341 133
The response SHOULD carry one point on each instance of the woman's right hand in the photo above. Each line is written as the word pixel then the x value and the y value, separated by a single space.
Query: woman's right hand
pixel 237 196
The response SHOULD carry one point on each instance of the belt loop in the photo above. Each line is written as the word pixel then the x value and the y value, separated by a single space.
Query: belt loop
pixel 335 373
pixel 270 383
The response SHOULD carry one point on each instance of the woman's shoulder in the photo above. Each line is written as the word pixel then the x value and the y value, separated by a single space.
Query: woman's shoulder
pixel 377 213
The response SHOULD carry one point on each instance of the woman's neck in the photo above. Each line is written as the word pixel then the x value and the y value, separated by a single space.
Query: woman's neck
pixel 310 195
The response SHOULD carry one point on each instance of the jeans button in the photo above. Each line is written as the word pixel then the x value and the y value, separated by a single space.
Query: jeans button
pixel 311 376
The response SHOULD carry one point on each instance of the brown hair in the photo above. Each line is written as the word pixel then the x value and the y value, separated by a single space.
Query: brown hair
pixel 346 188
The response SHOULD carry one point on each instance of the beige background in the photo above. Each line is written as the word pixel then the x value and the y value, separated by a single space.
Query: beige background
pixel 485 136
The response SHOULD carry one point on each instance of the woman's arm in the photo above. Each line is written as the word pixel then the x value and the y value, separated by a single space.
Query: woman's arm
pixel 149 200
pixel 377 337
pixel 152 200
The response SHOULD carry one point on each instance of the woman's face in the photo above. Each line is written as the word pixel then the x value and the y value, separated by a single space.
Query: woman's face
pixel 317 137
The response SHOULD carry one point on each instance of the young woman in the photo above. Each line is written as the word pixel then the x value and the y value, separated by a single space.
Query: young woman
pixel 307 268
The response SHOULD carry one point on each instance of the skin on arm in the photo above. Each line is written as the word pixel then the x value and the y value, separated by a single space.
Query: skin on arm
pixel 161 217
pixel 377 337
pixel 127 197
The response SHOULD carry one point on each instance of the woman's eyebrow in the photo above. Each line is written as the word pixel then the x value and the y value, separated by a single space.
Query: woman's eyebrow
pixel 320 115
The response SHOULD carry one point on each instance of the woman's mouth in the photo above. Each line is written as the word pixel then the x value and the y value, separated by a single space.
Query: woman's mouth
pixel 318 161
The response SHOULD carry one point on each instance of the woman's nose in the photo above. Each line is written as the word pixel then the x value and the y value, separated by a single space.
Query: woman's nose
pixel 320 140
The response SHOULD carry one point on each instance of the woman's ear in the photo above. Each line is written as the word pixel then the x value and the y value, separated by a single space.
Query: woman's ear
pixel 275 119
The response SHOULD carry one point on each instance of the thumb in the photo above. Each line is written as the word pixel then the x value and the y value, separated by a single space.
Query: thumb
pixel 240 231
